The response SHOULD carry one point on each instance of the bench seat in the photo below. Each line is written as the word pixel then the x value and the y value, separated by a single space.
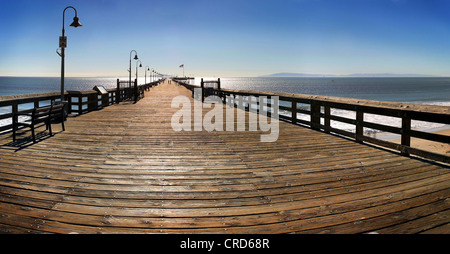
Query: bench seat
pixel 39 115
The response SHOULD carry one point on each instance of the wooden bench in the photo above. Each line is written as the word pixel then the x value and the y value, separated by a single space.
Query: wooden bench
pixel 39 115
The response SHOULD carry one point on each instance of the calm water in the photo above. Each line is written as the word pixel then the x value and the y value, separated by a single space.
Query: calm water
pixel 415 90
pixel 435 91
pixel 26 85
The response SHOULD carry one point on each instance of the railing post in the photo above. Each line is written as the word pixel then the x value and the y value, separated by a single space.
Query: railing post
pixel 315 115
pixel 111 97
pixel 202 85
pixel 359 125
pixel 14 111
pixel 80 104
pixel 118 92
pixel 406 138
pixel 105 100
pixel 327 119
pixel 294 112
pixel 69 99
pixel 218 87
pixel 92 102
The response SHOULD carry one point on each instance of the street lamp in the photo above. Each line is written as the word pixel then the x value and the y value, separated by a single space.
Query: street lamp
pixel 140 65
pixel 63 45
pixel 146 69
pixel 135 58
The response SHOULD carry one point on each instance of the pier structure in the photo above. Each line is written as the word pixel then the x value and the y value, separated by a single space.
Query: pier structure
pixel 122 168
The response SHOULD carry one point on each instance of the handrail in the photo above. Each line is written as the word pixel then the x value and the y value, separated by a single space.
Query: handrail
pixel 14 101
pixel 83 101
pixel 319 107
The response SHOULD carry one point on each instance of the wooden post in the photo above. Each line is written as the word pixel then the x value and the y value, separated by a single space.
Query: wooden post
pixel 315 115
pixel 92 102
pixel 202 85
pixel 118 92
pixel 69 99
pixel 359 125
pixel 80 104
pixel 406 127
pixel 105 100
pixel 327 119
pixel 294 112
pixel 111 98
pixel 218 88
pixel 14 111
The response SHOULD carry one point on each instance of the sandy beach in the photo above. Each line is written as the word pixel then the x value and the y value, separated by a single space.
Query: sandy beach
pixel 431 146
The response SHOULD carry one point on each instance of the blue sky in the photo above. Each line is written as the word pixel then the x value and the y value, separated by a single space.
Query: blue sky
pixel 228 37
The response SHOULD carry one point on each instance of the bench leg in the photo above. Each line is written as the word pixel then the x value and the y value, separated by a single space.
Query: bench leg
pixel 32 132
pixel 62 121
pixel 14 131
pixel 50 127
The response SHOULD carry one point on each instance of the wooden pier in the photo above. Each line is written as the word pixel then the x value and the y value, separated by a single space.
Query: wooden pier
pixel 123 169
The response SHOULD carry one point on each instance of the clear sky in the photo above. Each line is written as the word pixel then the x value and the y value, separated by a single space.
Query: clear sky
pixel 227 37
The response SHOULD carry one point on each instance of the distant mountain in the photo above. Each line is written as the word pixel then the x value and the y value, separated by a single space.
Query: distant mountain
pixel 289 74
pixel 387 75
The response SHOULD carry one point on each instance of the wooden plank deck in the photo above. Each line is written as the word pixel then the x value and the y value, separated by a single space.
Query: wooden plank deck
pixel 124 170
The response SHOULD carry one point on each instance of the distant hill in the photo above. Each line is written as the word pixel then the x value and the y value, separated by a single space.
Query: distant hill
pixel 387 75
pixel 289 74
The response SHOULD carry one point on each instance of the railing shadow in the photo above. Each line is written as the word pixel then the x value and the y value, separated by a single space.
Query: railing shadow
pixel 24 140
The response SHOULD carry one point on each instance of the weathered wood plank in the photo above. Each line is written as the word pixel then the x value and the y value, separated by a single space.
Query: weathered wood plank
pixel 124 170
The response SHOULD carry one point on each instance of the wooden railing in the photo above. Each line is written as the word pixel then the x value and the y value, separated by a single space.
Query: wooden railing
pixel 319 110
pixel 79 102
pixel 16 102
pixel 85 101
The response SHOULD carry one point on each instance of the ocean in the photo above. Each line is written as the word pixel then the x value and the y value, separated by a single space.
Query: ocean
pixel 28 85
pixel 427 90
pixel 414 90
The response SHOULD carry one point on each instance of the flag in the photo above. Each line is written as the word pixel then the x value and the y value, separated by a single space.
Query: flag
pixel 182 66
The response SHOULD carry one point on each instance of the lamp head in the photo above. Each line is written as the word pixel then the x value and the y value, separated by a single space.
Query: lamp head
pixel 140 65
pixel 76 22
pixel 136 57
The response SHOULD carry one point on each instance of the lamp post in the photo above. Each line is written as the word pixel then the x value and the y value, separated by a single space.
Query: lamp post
pixel 63 45
pixel 135 58
pixel 140 65
pixel 146 69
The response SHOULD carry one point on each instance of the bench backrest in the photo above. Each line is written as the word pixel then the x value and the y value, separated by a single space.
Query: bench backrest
pixel 57 108
pixel 48 111
pixel 42 112
pixel 57 111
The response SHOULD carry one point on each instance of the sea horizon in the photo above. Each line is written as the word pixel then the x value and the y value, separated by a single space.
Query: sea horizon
pixel 396 89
